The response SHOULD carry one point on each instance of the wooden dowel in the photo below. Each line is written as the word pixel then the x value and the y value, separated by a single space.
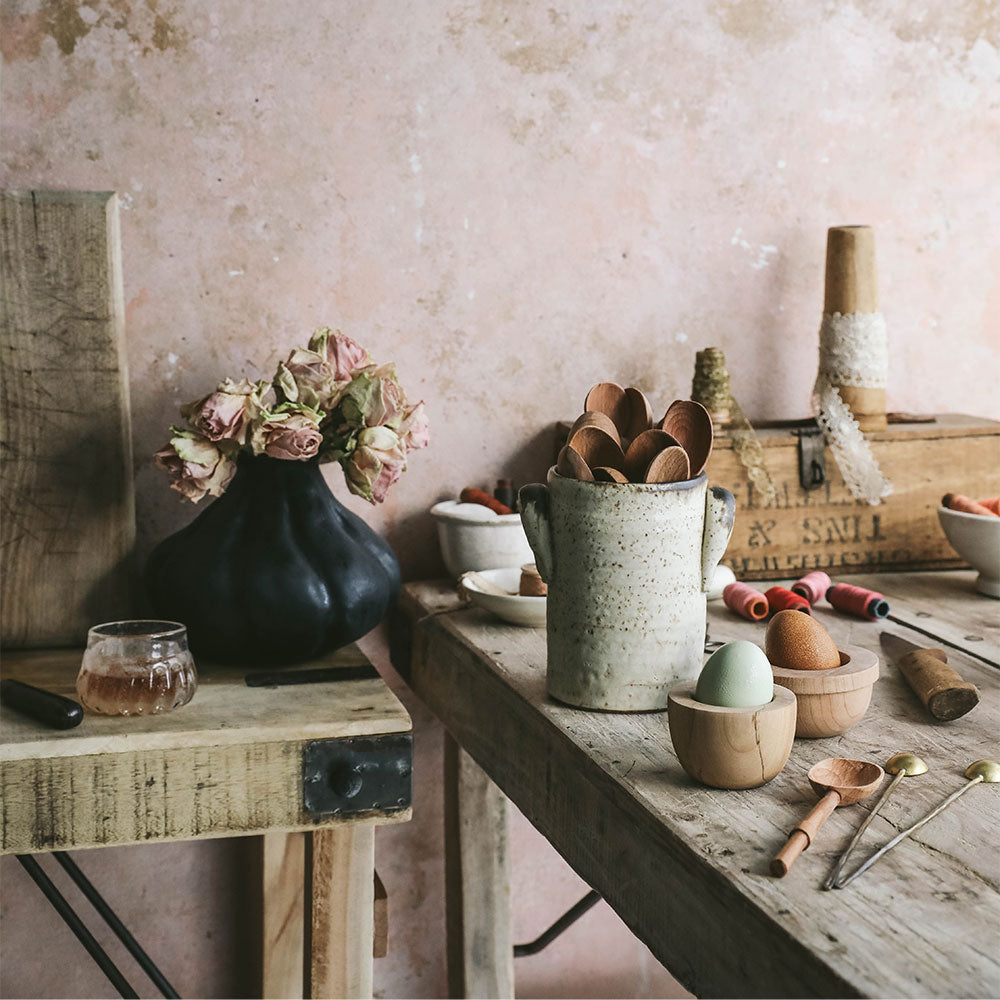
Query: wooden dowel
pixel 944 694
pixel 804 834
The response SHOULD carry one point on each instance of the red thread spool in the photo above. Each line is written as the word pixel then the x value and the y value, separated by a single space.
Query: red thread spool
pixel 782 599
pixel 746 601
pixel 812 586
pixel 858 601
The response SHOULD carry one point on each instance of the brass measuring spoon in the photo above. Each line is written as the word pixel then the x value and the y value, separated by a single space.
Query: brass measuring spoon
pixel 986 771
pixel 899 765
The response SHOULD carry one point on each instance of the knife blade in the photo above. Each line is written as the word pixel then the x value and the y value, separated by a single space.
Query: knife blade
pixel 943 692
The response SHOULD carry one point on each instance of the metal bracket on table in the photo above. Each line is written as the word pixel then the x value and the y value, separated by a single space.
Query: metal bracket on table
pixel 812 457
pixel 343 777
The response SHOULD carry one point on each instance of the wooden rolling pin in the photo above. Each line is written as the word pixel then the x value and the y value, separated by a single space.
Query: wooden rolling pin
pixel 944 694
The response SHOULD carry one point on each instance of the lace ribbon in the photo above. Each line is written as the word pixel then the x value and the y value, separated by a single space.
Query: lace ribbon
pixel 853 350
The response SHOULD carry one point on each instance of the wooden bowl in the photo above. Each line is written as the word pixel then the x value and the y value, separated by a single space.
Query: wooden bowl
pixel 731 747
pixel 831 701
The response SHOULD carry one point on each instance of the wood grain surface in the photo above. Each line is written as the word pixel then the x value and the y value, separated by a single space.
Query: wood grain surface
pixel 68 511
pixel 230 762
pixel 686 867
pixel 477 876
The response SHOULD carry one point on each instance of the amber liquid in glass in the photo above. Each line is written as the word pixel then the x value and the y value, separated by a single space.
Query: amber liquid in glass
pixel 116 684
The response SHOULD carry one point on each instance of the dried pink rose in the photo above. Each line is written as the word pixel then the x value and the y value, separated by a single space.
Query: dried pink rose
pixel 345 356
pixel 313 379
pixel 376 463
pixel 225 413
pixel 415 428
pixel 293 435
pixel 196 466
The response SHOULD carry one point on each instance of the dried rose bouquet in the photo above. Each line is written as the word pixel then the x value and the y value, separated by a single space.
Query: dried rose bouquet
pixel 327 400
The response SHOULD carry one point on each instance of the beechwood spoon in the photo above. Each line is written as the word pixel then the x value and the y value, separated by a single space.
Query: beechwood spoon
pixel 595 418
pixel 605 474
pixel 597 447
pixel 610 398
pixel 640 413
pixel 642 451
pixel 690 423
pixel 670 466
pixel 571 465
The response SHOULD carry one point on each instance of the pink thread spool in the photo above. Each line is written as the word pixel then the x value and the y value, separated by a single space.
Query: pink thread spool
pixel 746 601
pixel 782 599
pixel 858 601
pixel 812 586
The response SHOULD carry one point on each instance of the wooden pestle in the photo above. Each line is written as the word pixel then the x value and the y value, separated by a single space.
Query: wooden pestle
pixel 944 694
pixel 852 287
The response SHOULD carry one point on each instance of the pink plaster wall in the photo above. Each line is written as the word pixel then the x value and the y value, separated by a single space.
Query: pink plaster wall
pixel 512 201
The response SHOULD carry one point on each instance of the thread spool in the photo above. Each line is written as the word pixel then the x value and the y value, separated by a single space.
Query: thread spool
pixel 812 586
pixel 710 385
pixel 745 601
pixel 782 599
pixel 851 286
pixel 858 601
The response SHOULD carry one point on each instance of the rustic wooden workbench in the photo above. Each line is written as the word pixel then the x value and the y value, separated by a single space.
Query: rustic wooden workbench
pixel 235 761
pixel 686 867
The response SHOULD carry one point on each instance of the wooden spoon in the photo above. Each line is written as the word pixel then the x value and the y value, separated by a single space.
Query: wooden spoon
pixel 486 586
pixel 610 398
pixel 840 782
pixel 640 414
pixel 689 422
pixel 642 451
pixel 670 466
pixel 604 474
pixel 572 466
pixel 594 418
pixel 597 447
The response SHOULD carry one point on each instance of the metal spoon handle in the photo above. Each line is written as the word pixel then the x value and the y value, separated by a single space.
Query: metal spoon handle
pixel 916 826
pixel 842 860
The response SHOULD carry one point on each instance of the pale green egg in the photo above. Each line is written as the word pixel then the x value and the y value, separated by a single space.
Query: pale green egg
pixel 737 675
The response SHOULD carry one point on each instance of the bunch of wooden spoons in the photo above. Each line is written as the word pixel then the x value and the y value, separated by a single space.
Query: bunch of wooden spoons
pixel 615 441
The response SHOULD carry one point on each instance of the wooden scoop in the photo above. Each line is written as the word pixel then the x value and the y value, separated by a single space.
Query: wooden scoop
pixel 597 447
pixel 640 414
pixel 571 466
pixel 689 422
pixel 670 466
pixel 610 398
pixel 642 451
pixel 594 418
pixel 840 782
pixel 604 474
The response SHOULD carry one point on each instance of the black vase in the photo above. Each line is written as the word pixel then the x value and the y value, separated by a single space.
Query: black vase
pixel 276 571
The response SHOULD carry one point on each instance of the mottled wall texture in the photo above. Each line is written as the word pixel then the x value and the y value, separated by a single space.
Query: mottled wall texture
pixel 511 201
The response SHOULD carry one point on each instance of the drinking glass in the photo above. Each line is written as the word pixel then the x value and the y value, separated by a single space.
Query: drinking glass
pixel 136 668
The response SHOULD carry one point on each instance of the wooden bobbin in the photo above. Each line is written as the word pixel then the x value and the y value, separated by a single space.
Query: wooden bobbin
pixel 852 287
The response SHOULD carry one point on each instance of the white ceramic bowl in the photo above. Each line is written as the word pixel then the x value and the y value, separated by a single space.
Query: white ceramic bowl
pixel 976 538
pixel 528 611
pixel 467 545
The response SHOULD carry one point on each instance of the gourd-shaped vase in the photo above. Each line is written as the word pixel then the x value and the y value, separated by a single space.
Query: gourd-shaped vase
pixel 276 571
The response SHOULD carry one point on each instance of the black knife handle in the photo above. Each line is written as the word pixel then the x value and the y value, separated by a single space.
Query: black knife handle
pixel 48 708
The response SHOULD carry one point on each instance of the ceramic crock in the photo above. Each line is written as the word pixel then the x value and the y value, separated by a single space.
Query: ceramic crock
pixel 628 566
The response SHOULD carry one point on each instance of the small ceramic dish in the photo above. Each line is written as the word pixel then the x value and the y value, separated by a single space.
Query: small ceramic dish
pixel 527 611
pixel 831 701
pixel 473 539
pixel 731 747
pixel 976 538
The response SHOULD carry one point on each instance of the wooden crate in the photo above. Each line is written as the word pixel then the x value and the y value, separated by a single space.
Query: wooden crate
pixel 826 528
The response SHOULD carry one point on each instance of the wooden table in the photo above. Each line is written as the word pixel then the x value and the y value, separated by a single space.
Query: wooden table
pixel 686 867
pixel 313 767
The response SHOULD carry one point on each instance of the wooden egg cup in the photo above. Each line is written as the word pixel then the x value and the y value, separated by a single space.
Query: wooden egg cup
pixel 731 747
pixel 831 701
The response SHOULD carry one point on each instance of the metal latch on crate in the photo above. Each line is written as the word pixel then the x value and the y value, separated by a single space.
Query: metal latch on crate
pixel 812 457
pixel 357 774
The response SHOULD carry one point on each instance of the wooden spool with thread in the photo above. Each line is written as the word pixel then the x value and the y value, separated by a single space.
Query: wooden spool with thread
pixel 852 287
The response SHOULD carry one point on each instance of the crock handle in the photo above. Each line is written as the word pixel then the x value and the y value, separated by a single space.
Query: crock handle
pixel 534 501
pixel 720 516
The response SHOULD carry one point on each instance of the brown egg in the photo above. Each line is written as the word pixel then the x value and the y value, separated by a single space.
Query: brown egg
pixel 799 642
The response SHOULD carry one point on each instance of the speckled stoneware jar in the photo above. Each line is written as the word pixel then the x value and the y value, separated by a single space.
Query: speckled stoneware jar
pixel 627 565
